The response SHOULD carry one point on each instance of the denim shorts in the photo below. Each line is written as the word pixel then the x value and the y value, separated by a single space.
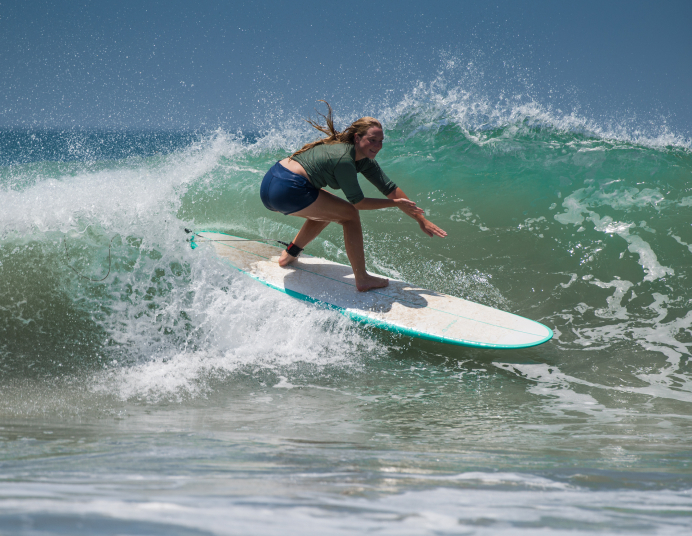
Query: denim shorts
pixel 286 192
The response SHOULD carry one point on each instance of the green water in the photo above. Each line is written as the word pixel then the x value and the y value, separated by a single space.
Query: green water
pixel 180 397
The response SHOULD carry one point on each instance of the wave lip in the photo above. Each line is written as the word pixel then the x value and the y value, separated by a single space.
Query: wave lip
pixel 478 112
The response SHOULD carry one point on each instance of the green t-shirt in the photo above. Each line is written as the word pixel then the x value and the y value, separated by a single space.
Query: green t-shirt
pixel 335 166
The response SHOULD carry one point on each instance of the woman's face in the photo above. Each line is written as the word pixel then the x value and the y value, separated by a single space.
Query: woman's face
pixel 370 144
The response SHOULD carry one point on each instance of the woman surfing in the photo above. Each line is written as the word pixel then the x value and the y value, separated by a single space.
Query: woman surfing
pixel 295 186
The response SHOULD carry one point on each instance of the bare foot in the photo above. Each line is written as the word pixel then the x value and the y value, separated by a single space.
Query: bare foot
pixel 370 282
pixel 286 259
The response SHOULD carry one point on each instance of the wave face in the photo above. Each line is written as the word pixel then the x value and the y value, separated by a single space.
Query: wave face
pixel 582 228
pixel 159 370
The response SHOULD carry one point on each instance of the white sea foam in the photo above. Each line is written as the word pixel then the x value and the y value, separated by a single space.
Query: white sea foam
pixel 477 512
pixel 615 308
pixel 560 397
pixel 237 323
pixel 680 241
pixel 667 380
pixel 127 198
pixel 578 209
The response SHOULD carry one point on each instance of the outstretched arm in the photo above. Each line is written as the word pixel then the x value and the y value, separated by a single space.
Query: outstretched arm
pixel 426 226
pixel 405 204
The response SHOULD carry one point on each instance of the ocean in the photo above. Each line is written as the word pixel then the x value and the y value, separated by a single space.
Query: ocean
pixel 145 388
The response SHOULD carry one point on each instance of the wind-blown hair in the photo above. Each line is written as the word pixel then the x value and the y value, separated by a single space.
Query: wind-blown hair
pixel 360 127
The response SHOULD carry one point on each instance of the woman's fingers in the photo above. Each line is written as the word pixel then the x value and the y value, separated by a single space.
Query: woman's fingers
pixel 431 229
pixel 410 208
pixel 438 232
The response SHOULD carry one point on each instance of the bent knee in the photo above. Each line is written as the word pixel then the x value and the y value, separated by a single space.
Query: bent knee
pixel 348 213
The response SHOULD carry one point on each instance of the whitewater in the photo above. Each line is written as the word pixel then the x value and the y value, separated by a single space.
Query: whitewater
pixel 179 397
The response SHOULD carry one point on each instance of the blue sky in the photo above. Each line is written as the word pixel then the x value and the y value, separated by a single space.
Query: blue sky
pixel 151 63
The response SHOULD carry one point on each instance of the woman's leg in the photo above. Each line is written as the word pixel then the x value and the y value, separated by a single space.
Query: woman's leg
pixel 308 232
pixel 329 208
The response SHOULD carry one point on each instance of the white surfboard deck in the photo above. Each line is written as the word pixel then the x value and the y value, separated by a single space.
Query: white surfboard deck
pixel 400 307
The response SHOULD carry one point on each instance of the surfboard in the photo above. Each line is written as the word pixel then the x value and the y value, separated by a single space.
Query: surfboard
pixel 400 307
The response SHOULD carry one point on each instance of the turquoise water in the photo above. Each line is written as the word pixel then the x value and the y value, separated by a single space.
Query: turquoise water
pixel 179 397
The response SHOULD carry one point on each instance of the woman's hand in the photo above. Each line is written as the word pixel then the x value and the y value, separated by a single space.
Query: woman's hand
pixel 410 208
pixel 430 229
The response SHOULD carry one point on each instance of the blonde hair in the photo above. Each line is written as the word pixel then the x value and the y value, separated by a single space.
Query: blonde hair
pixel 359 126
